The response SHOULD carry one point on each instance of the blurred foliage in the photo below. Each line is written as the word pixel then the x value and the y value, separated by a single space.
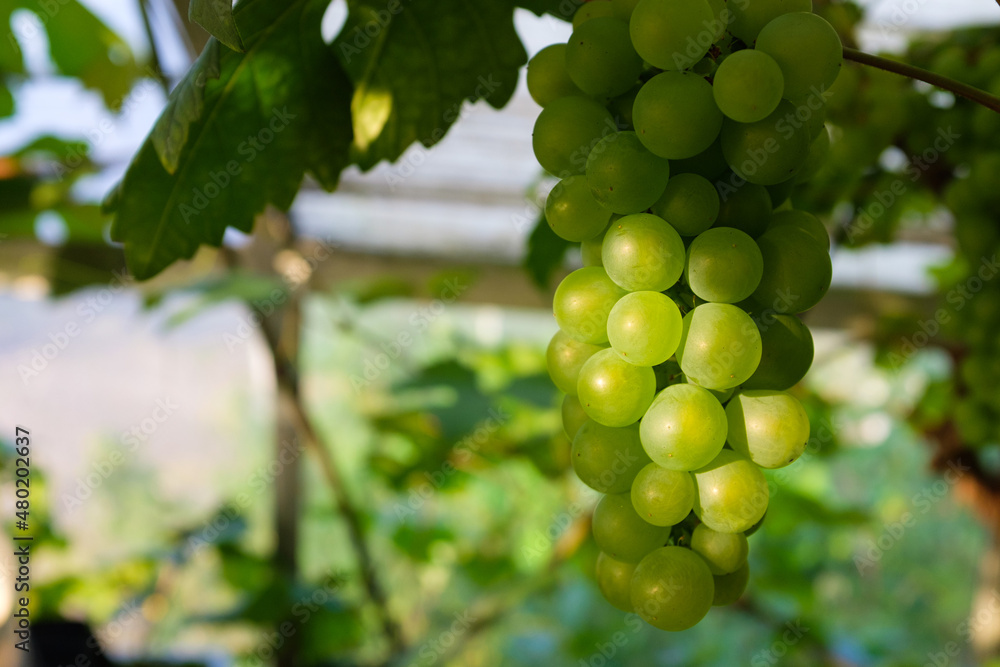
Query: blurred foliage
pixel 451 443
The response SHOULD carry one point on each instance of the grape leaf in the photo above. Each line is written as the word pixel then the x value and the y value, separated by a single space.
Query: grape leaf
pixel 414 63
pixel 216 16
pixel 546 253
pixel 184 107
pixel 274 112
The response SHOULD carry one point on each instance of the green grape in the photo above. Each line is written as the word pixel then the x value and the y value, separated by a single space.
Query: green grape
pixel 547 77
pixel 608 459
pixel 807 222
pixel 642 252
pixel 768 151
pixel 724 265
pixel 621 533
pixel 672 589
pixel 590 250
pixel 710 163
pixel 780 192
pixel 675 114
pixel 814 120
pixel 573 416
pixel 564 358
pixel 623 176
pixel 797 271
pixel 566 130
pixel 786 356
pixel 771 428
pixel 808 51
pixel 672 34
pixel 600 59
pixel 730 493
pixel 592 10
pixel 614 392
pixel 746 208
pixel 614 580
pixel 689 203
pixel 819 151
pixel 750 17
pixel 582 303
pixel 644 328
pixel 729 588
pixel 720 346
pixel 572 212
pixel 662 497
pixel 684 428
pixel 723 552
pixel 624 8
pixel 754 528
pixel 748 86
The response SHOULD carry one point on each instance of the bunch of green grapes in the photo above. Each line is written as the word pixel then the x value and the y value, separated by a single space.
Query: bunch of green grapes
pixel 678 129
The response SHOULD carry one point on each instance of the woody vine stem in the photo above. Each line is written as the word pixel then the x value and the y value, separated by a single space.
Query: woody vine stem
pixel 964 90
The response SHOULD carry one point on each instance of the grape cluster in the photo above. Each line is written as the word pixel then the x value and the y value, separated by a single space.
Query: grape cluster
pixel 678 129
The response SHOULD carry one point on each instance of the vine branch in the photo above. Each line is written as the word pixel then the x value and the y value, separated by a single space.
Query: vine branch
pixel 910 71
pixel 288 375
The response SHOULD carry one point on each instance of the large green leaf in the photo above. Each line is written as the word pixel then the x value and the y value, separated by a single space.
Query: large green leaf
pixel 216 16
pixel 184 107
pixel 414 63
pixel 274 112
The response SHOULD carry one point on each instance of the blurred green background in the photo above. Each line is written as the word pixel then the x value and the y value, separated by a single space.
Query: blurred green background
pixel 380 476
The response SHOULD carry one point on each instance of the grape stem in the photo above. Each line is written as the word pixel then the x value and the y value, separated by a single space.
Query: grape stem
pixel 945 83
